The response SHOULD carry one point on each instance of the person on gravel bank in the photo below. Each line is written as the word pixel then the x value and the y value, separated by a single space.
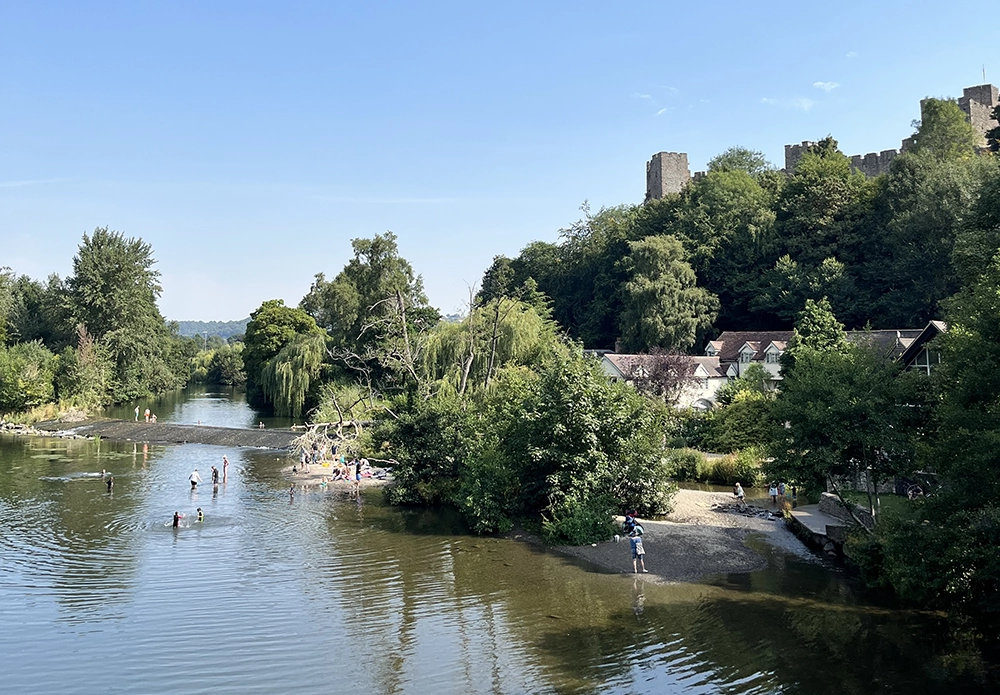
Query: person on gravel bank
pixel 638 552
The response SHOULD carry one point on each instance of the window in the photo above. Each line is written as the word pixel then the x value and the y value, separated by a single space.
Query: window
pixel 772 357
pixel 746 356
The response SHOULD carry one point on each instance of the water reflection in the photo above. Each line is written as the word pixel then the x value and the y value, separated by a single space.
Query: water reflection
pixel 337 592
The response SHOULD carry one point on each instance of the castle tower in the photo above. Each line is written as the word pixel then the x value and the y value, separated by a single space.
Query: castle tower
pixel 978 103
pixel 666 173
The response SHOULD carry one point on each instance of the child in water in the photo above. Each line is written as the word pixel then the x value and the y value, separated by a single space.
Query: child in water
pixel 177 519
pixel 201 514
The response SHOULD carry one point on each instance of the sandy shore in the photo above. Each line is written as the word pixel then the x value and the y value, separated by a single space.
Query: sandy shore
pixel 695 541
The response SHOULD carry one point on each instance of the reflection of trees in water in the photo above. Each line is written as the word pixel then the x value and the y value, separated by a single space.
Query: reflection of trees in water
pixel 71 530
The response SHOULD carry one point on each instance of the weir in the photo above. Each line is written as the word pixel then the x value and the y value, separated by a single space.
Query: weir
pixel 171 433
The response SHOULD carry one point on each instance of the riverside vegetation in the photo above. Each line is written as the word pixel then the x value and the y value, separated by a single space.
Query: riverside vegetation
pixel 502 416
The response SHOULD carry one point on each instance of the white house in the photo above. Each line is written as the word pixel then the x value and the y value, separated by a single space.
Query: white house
pixel 700 393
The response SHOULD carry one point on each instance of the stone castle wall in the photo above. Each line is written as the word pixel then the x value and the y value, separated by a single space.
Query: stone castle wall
pixel 668 172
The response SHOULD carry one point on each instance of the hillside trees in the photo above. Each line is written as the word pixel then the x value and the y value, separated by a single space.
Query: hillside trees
pixel 661 302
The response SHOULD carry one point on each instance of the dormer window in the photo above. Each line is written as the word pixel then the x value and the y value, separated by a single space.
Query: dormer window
pixel 711 351
pixel 746 355
pixel 772 357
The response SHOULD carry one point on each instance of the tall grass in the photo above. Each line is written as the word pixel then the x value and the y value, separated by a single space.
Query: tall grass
pixel 744 467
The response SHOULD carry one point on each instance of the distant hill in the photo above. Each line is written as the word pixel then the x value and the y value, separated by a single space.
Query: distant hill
pixel 223 329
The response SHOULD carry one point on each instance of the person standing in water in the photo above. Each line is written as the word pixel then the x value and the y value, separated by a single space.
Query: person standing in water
pixel 201 514
pixel 111 482
pixel 195 479
pixel 215 476
pixel 137 413
pixel 225 468
pixel 177 519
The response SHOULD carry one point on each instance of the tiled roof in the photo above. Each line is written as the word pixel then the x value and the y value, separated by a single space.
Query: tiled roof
pixel 890 342
pixel 625 363
pixel 729 343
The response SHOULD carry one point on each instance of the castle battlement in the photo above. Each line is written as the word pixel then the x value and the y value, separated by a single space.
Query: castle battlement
pixel 668 172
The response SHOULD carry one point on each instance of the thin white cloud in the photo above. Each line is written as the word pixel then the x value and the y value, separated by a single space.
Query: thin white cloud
pixel 798 103
pixel 672 91
pixel 642 96
pixel 826 86
pixel 662 111
pixel 29 182
pixel 851 54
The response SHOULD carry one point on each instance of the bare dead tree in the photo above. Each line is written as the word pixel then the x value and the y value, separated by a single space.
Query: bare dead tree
pixel 660 373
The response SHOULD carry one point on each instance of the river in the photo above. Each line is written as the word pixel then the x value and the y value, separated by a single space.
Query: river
pixel 329 593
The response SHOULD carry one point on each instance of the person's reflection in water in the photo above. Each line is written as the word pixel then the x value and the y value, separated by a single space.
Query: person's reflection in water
pixel 638 597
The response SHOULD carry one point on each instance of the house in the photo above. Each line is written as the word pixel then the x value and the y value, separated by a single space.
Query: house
pixel 737 350
pixel 699 392
pixel 908 345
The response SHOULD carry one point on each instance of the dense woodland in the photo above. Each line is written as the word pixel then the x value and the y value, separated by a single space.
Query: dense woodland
pixel 502 416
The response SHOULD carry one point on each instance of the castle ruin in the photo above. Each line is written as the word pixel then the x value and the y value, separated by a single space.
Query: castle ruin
pixel 668 172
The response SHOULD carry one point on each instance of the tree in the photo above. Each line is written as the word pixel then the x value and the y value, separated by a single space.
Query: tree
pixel 944 132
pixel 662 374
pixel 751 162
pixel 113 292
pixel 817 328
pixel 993 134
pixel 662 304
pixel 957 529
pixel 226 366
pixel 287 377
pixel 272 326
pixel 849 418
pixel 26 376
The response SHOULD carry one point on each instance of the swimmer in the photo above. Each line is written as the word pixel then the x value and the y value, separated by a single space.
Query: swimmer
pixel 177 519
pixel 111 482
pixel 201 514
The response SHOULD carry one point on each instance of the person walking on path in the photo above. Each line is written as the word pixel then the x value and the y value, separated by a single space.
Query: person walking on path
pixel 638 552
pixel 195 479
pixel 773 492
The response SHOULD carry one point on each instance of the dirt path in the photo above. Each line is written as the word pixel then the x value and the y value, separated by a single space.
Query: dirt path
pixel 695 541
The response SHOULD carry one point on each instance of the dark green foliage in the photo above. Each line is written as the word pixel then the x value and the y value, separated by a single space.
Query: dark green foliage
pixel 271 327
pixel 226 366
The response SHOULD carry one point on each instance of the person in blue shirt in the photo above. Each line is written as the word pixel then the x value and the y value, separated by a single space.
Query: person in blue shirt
pixel 638 552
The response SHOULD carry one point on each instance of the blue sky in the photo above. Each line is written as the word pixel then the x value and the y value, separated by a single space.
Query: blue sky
pixel 249 142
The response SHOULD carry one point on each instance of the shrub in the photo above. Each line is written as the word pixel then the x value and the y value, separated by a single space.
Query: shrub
pixel 685 464
pixel 577 522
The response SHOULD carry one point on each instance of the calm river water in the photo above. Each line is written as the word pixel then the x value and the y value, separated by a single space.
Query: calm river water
pixel 327 594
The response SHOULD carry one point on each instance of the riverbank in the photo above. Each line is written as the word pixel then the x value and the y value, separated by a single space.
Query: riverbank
pixel 701 537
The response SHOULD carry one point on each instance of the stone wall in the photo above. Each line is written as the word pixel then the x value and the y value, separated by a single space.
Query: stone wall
pixel 873 164
pixel 793 153
pixel 666 173
pixel 831 505
pixel 978 103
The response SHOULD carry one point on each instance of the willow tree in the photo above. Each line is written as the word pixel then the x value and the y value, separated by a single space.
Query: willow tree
pixel 287 377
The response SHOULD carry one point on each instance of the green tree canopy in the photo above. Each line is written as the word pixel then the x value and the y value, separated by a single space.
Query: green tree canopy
pixel 751 162
pixel 272 326
pixel 662 304
pixel 944 131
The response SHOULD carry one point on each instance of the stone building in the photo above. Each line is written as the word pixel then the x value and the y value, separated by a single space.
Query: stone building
pixel 666 173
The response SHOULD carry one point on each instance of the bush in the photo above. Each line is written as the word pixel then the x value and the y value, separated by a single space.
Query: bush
pixel 576 522
pixel 686 464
